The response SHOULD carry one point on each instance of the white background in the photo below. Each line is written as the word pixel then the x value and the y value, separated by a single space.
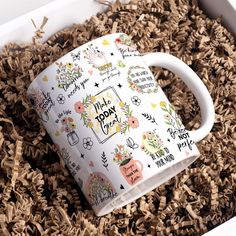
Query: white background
pixel 9 9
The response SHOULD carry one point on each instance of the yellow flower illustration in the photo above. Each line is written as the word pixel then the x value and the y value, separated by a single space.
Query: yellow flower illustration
pixel 93 99
pixel 90 125
pixel 121 104
pixel 69 65
pixel 162 104
pixel 118 129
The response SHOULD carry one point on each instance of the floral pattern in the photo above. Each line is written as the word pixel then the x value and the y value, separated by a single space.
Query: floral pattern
pixel 135 86
pixel 170 116
pixel 136 101
pixel 130 169
pixel 82 106
pixel 98 189
pixel 124 42
pixel 152 144
pixel 68 126
pixel 132 122
pixel 87 143
pixel 121 155
pixel 67 74
pixel 61 99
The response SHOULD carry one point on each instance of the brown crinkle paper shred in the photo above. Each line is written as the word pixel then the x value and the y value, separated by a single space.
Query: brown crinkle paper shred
pixel 38 196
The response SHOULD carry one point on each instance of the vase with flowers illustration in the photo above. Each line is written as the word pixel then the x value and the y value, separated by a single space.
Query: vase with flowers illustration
pixel 68 127
pixel 130 169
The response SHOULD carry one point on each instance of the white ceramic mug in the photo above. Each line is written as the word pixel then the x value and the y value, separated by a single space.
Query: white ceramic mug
pixel 113 125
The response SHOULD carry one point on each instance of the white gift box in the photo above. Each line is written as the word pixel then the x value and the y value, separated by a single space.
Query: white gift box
pixel 16 26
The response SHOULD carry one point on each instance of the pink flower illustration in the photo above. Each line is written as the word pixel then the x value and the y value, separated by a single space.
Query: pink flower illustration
pixel 133 122
pixel 64 120
pixel 167 117
pixel 79 107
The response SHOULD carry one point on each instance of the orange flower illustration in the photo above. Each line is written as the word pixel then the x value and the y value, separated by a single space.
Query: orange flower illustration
pixel 118 156
pixel 79 107
pixel 133 122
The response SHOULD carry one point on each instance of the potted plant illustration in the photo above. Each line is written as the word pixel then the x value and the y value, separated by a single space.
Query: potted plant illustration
pixel 130 169
pixel 67 74
pixel 68 126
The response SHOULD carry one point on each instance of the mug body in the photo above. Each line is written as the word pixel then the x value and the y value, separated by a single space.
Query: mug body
pixel 113 125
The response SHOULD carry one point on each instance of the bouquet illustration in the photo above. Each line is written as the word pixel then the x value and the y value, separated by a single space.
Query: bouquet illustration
pixel 67 74
pixel 171 118
pixel 96 58
pixel 124 43
pixel 131 122
pixel 81 107
pixel 152 144
pixel 68 127
pixel 130 169
pixel 121 155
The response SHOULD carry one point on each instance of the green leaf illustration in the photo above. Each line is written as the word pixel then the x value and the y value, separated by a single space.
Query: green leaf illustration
pixel 168 123
pixel 164 109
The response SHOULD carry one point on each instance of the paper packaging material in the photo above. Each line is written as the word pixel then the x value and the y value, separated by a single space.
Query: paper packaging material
pixel 12 32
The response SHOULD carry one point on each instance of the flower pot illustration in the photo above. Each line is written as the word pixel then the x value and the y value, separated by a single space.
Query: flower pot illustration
pixel 132 171
pixel 129 168
pixel 72 138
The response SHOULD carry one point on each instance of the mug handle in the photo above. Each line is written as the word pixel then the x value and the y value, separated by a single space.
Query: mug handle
pixel 193 82
pixel 140 163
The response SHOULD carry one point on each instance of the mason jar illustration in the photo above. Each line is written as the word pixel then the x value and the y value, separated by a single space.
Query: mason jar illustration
pixel 68 126
pixel 130 169
pixel 72 138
